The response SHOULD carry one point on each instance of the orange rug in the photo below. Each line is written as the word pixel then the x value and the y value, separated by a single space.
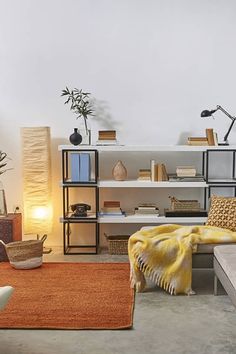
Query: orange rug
pixel 68 296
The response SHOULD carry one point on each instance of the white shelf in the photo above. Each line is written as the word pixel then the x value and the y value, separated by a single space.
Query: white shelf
pixel 149 184
pixel 143 148
pixel 151 220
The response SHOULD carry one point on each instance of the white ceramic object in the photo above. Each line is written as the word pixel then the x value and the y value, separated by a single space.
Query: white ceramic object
pixel 5 294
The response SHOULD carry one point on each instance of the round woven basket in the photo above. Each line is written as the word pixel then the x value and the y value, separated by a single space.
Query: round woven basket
pixel 25 254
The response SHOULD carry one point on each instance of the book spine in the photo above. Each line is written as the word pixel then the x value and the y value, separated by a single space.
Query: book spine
pixel 164 173
pixel 152 167
pixel 75 167
pixel 159 172
pixel 210 136
pixel 156 172
pixel 84 173
pixel 215 138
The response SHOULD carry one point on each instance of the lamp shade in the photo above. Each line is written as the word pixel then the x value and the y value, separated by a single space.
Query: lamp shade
pixel 207 113
pixel 37 188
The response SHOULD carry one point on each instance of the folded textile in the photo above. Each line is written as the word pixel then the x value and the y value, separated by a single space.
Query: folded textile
pixel 164 253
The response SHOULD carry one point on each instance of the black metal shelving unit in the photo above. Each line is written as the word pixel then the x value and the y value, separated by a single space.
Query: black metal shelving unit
pixel 214 183
pixel 68 219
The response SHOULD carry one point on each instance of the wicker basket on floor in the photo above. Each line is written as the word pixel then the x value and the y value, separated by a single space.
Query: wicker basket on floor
pixel 117 244
pixel 25 254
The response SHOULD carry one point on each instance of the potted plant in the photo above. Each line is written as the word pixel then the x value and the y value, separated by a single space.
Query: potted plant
pixel 82 105
pixel 3 163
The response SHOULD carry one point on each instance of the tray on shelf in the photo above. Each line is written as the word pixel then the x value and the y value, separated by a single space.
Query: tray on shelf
pixel 186 213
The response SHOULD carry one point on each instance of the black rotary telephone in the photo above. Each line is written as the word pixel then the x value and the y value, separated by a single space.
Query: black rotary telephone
pixel 80 209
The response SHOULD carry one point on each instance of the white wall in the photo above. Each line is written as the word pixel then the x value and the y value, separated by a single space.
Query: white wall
pixel 156 64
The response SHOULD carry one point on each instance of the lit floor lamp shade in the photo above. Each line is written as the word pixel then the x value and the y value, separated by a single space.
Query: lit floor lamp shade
pixel 37 188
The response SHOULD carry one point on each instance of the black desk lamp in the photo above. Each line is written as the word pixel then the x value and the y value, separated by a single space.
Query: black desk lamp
pixel 207 113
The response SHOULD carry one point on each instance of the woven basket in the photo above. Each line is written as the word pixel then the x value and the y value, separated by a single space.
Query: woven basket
pixel 177 204
pixel 25 254
pixel 117 244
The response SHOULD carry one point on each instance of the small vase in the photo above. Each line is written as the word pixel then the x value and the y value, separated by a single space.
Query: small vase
pixel 119 171
pixel 85 132
pixel 86 136
pixel 76 137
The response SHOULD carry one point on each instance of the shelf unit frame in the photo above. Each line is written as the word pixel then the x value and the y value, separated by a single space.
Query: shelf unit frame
pixel 214 183
pixel 67 185
pixel 207 186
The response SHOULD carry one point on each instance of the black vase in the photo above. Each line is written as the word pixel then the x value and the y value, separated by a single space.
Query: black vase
pixel 75 138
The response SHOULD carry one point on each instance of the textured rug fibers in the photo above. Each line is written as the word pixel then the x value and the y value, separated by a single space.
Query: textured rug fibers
pixel 68 296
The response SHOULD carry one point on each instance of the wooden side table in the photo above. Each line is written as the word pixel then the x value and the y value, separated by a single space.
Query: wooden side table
pixel 10 230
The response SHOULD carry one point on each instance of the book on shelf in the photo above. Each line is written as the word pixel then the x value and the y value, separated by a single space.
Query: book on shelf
pixel 210 136
pixel 144 174
pixel 111 204
pixel 186 171
pixel 161 173
pixel 107 135
pixel 84 167
pixel 107 142
pixel 215 138
pixel 74 166
pixel 158 171
pixel 80 167
pixel 147 205
pixel 146 208
pixel 197 141
pixel 145 212
pixel 122 214
pixel 197 178
pixel 111 209
pixel 185 213
pixel 152 168
pixel 143 215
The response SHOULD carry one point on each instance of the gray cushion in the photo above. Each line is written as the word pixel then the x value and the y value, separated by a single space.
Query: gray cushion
pixel 226 256
pixel 209 247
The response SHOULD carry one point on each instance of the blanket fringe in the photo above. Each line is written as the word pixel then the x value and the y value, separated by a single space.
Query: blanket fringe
pixel 154 275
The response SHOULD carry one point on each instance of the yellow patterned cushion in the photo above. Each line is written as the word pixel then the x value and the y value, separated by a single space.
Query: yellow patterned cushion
pixel 222 212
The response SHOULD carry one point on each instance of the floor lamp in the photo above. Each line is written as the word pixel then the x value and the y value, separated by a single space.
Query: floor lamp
pixel 37 186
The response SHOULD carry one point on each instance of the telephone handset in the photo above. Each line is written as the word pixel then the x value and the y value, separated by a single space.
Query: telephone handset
pixel 80 209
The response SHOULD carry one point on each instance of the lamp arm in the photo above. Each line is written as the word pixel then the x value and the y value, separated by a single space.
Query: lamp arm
pixel 232 119
pixel 229 130
pixel 225 112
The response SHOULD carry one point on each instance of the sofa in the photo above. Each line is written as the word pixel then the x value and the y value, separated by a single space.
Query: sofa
pixel 225 270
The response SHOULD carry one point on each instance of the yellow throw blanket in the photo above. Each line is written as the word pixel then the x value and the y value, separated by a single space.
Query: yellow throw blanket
pixel 164 253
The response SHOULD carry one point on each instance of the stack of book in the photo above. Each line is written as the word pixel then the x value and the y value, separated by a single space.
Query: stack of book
pixel 186 174
pixel 106 137
pixel 111 208
pixel 197 178
pixel 158 172
pixel 186 171
pixel 146 209
pixel 144 175
pixel 210 138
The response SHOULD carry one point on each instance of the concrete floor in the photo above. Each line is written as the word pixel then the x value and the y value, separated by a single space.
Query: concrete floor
pixel 201 324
